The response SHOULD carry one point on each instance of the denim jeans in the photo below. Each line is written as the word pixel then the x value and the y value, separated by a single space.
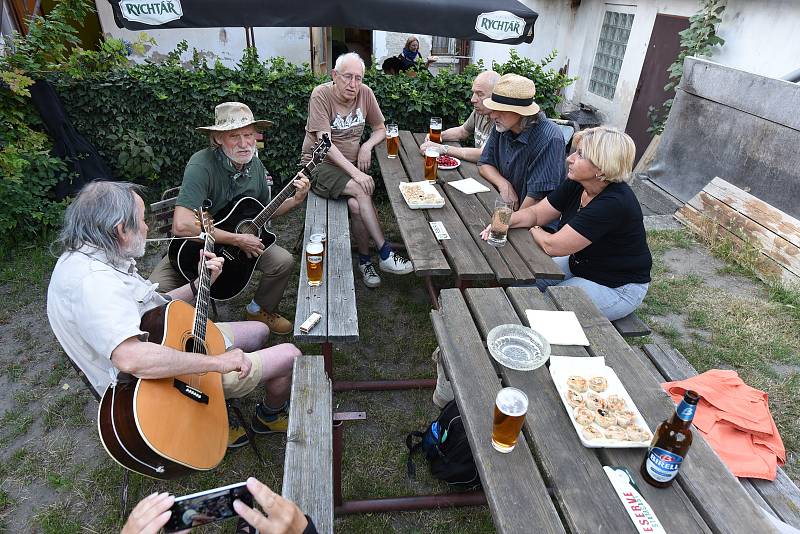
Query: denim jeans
pixel 613 302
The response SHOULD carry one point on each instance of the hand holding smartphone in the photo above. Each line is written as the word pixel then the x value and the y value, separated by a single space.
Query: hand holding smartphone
pixel 206 506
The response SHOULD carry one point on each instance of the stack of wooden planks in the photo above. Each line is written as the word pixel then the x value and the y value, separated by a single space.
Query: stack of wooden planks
pixel 722 210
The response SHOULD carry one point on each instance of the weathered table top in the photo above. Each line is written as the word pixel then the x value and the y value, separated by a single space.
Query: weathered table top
pixel 550 456
pixel 464 216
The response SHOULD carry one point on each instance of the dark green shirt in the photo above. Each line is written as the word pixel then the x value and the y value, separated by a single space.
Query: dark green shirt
pixel 209 175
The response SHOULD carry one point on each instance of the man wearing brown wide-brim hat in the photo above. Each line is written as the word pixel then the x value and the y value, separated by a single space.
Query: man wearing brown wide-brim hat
pixel 524 156
pixel 219 174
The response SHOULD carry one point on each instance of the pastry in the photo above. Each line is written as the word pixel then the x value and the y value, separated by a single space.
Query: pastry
pixel 615 402
pixel 625 418
pixel 595 401
pixel 591 433
pixel 574 398
pixel 584 416
pixel 577 383
pixel 604 418
pixel 636 433
pixel 616 432
pixel 598 384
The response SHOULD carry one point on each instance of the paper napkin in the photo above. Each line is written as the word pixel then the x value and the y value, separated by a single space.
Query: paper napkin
pixel 557 327
pixel 469 186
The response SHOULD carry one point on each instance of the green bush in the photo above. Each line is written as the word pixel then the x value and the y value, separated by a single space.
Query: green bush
pixel 142 118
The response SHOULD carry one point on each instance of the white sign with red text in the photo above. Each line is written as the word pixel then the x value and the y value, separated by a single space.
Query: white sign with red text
pixel 643 517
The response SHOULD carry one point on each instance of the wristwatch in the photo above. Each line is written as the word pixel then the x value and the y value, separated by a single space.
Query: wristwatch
pixel 446 148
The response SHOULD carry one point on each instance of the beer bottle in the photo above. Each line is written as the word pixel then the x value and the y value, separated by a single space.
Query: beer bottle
pixel 670 444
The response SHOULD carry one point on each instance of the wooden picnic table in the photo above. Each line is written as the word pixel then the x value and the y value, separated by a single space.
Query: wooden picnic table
pixel 549 459
pixel 464 255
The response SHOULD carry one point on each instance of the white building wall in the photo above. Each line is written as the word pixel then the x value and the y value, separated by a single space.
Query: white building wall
pixel 225 44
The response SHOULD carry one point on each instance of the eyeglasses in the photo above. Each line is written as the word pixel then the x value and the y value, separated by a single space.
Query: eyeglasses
pixel 350 77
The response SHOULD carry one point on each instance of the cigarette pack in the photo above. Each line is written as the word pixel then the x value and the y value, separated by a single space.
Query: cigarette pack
pixel 309 323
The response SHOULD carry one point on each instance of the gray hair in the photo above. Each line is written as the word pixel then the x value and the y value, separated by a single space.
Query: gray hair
pixel 344 57
pixel 94 215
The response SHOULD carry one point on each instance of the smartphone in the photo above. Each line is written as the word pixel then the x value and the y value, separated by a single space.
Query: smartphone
pixel 206 507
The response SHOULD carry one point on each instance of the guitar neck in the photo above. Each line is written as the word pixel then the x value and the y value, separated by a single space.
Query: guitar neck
pixel 203 297
pixel 267 213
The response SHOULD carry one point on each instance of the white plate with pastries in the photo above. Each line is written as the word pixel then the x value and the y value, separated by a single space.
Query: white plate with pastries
pixel 599 407
pixel 421 195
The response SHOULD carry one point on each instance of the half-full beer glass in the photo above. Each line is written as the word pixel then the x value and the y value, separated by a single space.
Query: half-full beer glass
pixel 510 408
pixel 431 164
pixel 314 263
pixel 498 233
pixel 392 140
pixel 435 132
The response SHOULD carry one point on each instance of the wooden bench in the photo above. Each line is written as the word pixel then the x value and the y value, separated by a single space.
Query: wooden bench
pixel 335 298
pixel 780 497
pixel 308 465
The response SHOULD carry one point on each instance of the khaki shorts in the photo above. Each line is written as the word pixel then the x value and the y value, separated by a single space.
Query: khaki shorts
pixel 231 385
pixel 329 180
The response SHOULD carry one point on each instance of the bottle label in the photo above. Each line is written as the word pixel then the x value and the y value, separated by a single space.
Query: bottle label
pixel 661 465
pixel 685 411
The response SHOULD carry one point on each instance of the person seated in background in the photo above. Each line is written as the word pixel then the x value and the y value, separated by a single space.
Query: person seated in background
pixel 524 156
pixel 96 300
pixel 478 124
pixel 280 516
pixel 601 244
pixel 410 54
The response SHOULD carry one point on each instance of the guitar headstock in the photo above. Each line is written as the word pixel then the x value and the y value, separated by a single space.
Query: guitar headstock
pixel 205 220
pixel 320 149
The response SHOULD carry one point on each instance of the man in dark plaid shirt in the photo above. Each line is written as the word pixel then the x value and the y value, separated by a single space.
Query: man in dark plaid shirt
pixel 524 156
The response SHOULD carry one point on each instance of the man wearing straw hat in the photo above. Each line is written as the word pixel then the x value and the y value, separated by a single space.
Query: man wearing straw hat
pixel 221 173
pixel 524 156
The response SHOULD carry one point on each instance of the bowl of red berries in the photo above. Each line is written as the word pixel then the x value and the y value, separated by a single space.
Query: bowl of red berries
pixel 448 162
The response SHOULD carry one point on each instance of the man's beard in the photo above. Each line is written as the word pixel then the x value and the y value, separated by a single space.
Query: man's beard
pixel 240 160
pixel 500 128
pixel 136 247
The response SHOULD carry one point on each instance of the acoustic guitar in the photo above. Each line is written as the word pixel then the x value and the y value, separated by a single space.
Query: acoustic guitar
pixel 243 216
pixel 168 427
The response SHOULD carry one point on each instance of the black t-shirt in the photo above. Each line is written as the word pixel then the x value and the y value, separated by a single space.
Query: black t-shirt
pixel 612 221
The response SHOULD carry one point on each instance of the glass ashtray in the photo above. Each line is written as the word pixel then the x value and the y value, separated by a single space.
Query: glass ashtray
pixel 518 347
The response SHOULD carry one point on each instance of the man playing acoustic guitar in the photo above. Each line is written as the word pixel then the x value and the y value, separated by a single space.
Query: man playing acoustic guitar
pixel 225 171
pixel 96 300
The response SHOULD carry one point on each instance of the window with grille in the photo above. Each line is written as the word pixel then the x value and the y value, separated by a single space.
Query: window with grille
pixel 610 53
pixel 443 46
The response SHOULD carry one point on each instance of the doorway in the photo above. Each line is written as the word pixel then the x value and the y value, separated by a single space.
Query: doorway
pixel 661 53
pixel 351 40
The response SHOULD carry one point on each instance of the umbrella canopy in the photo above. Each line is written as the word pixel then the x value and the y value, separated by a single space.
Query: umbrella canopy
pixel 499 21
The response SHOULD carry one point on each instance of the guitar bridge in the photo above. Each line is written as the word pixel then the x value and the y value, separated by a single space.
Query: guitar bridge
pixel 187 390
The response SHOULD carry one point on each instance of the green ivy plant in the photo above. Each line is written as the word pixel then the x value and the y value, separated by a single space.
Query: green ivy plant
pixel 700 39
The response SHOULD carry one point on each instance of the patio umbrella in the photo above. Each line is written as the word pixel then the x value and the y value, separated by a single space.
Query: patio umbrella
pixel 499 21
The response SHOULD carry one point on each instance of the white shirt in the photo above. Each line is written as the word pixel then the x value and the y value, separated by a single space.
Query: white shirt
pixel 93 306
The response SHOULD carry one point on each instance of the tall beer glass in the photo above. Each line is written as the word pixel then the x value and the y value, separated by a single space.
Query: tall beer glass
pixel 510 408
pixel 314 263
pixel 431 164
pixel 392 138
pixel 498 233
pixel 435 132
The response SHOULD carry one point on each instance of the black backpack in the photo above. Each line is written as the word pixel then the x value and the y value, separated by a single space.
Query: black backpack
pixel 446 448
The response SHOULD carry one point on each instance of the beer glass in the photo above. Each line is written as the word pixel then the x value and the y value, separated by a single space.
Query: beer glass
pixel 431 164
pixel 510 407
pixel 314 263
pixel 318 235
pixel 392 138
pixel 498 233
pixel 435 132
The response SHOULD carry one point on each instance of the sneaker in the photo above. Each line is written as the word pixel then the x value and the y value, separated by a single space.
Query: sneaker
pixel 396 264
pixel 269 424
pixel 237 435
pixel 277 323
pixel 369 274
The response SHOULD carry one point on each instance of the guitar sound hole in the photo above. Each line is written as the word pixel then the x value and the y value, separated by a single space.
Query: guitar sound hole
pixel 190 347
pixel 248 227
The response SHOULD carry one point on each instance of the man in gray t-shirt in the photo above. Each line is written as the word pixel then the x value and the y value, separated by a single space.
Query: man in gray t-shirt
pixel 478 124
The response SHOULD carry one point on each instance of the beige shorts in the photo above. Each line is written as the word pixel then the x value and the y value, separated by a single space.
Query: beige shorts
pixel 329 180
pixel 231 385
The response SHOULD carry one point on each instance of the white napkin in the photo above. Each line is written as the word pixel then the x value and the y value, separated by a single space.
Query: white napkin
pixel 557 327
pixel 469 186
